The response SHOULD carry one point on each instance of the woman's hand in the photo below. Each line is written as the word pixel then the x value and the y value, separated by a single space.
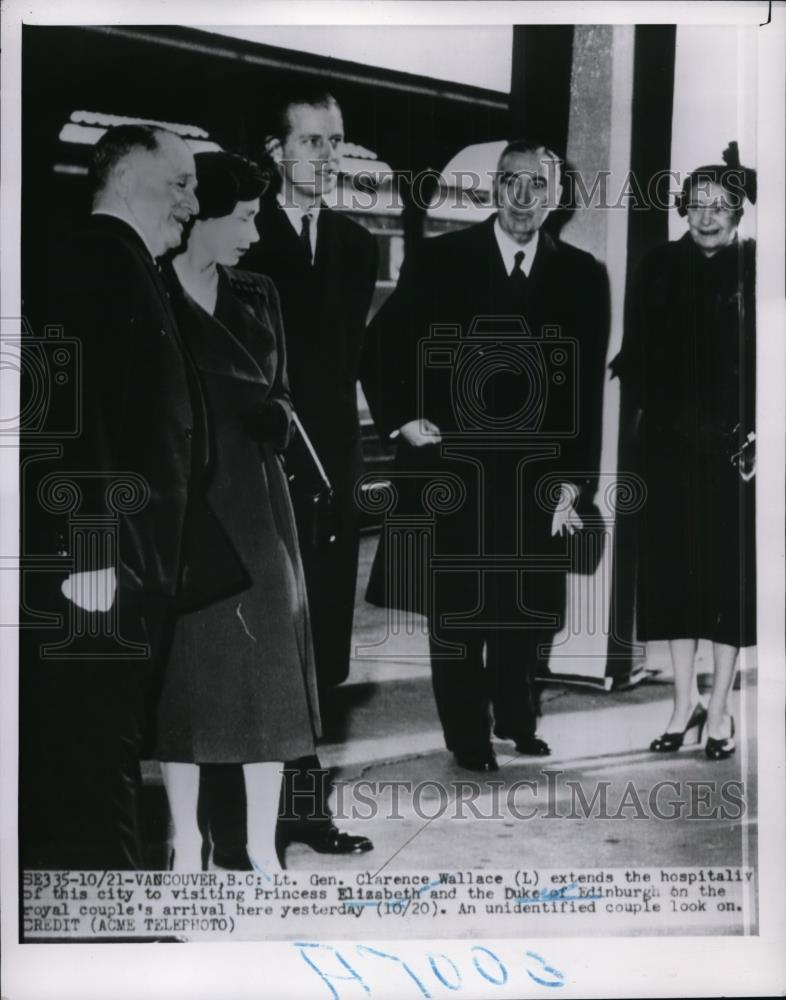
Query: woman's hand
pixel 745 458
pixel 270 424
pixel 91 591
pixel 748 470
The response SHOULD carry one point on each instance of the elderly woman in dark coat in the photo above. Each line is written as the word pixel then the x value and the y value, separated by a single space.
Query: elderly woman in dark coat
pixel 240 684
pixel 689 364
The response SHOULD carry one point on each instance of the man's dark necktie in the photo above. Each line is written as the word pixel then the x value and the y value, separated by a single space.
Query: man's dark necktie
pixel 305 237
pixel 518 279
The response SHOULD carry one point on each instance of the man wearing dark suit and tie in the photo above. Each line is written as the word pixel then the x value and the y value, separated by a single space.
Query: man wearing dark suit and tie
pixel 132 480
pixel 506 417
pixel 324 267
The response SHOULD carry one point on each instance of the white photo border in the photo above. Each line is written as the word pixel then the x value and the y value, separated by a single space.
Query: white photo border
pixel 593 967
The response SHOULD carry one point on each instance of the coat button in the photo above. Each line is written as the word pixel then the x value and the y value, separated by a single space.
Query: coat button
pixel 189 433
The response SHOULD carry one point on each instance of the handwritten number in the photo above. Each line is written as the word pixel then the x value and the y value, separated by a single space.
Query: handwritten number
pixel 327 976
pixel 482 971
pixel 560 976
pixel 433 963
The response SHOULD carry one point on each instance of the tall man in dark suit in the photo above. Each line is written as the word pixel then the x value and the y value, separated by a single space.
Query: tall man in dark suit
pixel 491 356
pixel 131 481
pixel 324 266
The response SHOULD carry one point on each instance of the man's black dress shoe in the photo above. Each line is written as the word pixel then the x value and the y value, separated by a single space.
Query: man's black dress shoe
pixel 533 746
pixel 485 761
pixel 330 840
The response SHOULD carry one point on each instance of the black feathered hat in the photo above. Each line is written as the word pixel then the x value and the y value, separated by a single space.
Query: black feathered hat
pixel 738 181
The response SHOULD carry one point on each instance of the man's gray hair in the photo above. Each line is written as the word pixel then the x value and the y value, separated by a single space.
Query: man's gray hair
pixel 116 143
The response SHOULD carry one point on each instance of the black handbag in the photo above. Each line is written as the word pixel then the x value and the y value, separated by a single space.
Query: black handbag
pixel 587 544
pixel 313 499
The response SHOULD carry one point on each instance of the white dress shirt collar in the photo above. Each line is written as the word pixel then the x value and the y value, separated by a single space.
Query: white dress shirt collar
pixel 295 214
pixel 508 247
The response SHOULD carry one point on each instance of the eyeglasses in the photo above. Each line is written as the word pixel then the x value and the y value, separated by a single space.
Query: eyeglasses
pixel 714 207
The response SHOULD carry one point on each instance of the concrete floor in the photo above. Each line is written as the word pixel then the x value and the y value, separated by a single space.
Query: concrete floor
pixel 382 734
pixel 381 726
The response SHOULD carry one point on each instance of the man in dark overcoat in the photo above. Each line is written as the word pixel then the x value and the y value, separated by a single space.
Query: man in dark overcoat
pixel 489 360
pixel 137 538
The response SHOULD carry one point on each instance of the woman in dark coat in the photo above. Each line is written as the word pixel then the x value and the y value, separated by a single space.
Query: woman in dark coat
pixel 240 685
pixel 690 366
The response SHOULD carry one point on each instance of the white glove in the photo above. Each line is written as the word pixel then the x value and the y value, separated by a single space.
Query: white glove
pixel 420 432
pixel 91 591
pixel 565 516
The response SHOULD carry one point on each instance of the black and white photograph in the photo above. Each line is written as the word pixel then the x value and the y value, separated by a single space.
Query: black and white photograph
pixel 393 476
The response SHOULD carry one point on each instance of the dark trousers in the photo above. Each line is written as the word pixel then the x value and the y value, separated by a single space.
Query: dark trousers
pixel 467 690
pixel 83 721
pixel 331 578
pixel 331 570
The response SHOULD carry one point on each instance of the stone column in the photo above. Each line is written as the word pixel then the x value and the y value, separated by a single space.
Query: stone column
pixel 599 150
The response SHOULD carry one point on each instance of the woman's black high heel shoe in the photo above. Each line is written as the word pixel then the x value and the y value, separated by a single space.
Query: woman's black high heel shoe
pixel 723 748
pixel 669 742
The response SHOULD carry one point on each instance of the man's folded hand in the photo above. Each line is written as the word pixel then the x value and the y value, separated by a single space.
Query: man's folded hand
pixel 565 517
pixel 418 433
